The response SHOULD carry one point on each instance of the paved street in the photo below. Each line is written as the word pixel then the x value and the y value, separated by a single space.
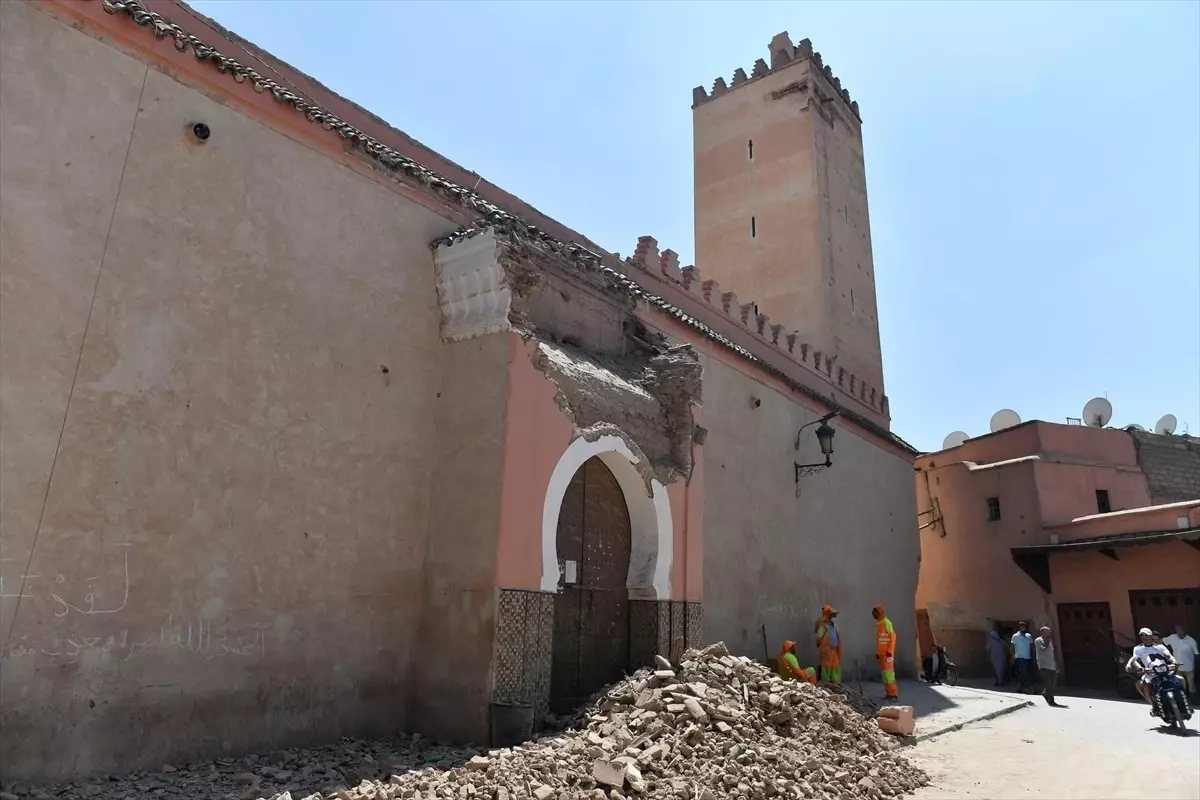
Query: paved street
pixel 1091 750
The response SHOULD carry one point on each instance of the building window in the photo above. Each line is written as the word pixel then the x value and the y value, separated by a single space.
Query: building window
pixel 750 146
pixel 993 509
pixel 753 228
pixel 1102 504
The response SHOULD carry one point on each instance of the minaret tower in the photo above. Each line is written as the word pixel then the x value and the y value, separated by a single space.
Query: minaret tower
pixel 781 202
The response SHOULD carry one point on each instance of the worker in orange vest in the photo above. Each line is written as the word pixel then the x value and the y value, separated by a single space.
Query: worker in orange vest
pixel 885 650
pixel 829 645
pixel 788 667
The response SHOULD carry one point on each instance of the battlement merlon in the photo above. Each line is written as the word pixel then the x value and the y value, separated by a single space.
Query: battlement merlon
pixel 783 54
pixel 748 315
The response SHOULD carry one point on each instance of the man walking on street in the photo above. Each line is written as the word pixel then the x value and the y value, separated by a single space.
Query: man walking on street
pixel 1185 650
pixel 1021 651
pixel 1047 666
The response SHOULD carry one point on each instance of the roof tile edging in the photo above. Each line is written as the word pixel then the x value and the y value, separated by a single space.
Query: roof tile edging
pixel 493 215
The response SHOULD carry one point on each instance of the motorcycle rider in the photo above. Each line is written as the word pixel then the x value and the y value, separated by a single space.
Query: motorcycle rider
pixel 1144 655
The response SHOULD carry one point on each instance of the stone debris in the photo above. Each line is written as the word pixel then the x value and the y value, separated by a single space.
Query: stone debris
pixel 718 726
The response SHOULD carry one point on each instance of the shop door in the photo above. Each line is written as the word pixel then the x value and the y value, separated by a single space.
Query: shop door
pixel 1162 609
pixel 1085 642
pixel 591 611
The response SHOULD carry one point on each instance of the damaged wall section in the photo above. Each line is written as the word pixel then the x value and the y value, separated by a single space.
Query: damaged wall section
pixel 646 401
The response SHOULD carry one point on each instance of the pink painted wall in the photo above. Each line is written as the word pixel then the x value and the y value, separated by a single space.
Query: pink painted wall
pixel 1099 445
pixel 1138 520
pixel 537 436
pixel 538 433
pixel 1068 490
pixel 1094 578
pixel 967 574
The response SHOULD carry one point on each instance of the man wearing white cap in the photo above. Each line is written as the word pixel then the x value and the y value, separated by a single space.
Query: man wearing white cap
pixel 1144 655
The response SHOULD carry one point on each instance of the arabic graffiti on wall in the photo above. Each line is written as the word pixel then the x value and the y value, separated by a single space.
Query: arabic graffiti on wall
pixel 195 638
pixel 99 594
pixel 89 610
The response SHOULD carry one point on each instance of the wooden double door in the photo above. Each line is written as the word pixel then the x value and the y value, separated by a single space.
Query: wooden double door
pixel 1162 609
pixel 591 610
pixel 1085 639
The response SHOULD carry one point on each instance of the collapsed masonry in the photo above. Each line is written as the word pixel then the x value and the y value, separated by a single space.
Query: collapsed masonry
pixel 612 374
pixel 717 726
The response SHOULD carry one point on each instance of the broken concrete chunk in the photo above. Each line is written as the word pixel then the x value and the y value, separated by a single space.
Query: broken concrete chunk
pixel 608 773
pixel 694 708
pixel 633 776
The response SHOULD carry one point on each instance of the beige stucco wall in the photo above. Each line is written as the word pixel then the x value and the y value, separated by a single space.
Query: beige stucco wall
pixel 772 558
pixel 231 549
pixel 450 701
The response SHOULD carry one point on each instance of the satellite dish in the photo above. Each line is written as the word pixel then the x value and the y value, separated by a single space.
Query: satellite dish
pixel 954 439
pixel 1166 425
pixel 1135 427
pixel 1004 418
pixel 1097 412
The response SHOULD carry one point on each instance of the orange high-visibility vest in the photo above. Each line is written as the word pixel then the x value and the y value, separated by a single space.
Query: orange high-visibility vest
pixel 885 636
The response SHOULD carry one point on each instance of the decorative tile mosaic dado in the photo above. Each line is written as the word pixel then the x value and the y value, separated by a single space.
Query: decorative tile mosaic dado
pixel 525 638
pixel 657 626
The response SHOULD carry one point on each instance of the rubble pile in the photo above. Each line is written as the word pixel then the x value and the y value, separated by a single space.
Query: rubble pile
pixel 719 726
pixel 303 771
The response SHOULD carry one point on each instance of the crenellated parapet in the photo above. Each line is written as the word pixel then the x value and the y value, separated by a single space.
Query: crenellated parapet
pixel 783 54
pixel 750 316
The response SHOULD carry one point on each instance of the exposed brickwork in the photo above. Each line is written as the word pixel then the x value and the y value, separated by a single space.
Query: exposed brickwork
pixel 1171 465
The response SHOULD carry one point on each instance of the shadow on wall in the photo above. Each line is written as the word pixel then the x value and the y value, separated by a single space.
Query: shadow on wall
pixel 968 649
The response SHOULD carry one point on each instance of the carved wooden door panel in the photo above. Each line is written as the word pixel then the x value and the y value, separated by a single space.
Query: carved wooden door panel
pixel 1086 645
pixel 591 611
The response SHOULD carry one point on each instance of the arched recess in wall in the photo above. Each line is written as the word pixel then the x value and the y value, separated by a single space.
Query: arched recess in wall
pixel 649 517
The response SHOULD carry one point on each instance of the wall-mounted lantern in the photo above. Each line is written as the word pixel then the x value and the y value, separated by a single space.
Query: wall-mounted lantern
pixel 825 439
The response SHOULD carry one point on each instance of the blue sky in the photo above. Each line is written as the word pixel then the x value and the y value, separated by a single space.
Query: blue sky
pixel 1033 168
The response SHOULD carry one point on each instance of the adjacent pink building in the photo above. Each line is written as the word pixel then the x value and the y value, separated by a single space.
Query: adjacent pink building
pixel 1095 532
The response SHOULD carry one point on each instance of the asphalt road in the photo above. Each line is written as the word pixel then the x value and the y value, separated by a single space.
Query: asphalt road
pixel 1091 750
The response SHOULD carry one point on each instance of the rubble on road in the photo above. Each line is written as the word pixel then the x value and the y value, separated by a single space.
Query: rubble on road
pixel 303 771
pixel 716 726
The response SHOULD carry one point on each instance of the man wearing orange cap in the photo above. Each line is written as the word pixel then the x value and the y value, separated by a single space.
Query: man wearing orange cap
pixel 788 666
pixel 885 650
pixel 829 645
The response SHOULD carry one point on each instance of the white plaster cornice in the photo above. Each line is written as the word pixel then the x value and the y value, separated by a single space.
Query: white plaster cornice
pixel 472 296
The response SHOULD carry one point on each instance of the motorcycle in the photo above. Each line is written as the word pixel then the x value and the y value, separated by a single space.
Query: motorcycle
pixel 1170 700
pixel 946 671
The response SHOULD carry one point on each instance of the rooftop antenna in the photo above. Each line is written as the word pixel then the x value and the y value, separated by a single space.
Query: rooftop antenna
pixel 1097 412
pixel 1166 425
pixel 1004 418
pixel 954 439
pixel 1135 427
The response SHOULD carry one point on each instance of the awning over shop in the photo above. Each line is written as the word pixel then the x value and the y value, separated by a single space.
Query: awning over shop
pixel 1034 560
